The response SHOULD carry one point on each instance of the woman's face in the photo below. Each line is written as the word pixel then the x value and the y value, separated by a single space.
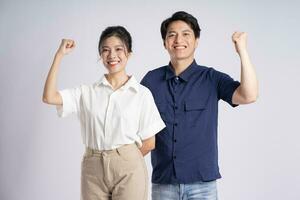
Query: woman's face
pixel 114 54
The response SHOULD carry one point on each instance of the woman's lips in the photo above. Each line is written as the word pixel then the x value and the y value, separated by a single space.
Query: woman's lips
pixel 113 63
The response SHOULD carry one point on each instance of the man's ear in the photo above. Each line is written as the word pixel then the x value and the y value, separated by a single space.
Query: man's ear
pixel 164 43
pixel 197 43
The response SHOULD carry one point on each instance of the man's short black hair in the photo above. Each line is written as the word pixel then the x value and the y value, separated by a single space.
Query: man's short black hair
pixel 117 31
pixel 182 16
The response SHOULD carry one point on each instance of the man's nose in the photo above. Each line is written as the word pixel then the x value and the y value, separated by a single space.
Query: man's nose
pixel 178 38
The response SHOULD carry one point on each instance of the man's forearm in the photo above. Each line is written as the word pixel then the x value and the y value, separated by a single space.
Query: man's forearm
pixel 249 84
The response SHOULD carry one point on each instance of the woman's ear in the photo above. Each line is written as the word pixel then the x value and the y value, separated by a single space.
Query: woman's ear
pixel 129 54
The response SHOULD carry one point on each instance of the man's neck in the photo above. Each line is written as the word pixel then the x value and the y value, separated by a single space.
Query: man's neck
pixel 180 65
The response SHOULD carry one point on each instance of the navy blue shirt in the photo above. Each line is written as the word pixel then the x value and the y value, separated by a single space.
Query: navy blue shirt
pixel 186 150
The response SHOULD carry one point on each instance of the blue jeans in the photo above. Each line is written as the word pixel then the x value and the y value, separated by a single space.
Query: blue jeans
pixel 193 191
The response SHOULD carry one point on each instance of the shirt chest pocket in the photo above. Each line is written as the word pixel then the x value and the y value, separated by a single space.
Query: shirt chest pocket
pixel 194 112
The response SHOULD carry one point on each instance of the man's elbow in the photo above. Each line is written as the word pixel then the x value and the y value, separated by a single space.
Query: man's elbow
pixel 251 98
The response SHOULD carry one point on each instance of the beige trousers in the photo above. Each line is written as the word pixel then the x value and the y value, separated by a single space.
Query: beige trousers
pixel 118 174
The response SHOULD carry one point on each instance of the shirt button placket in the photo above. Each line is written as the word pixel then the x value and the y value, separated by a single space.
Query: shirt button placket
pixel 175 124
pixel 108 118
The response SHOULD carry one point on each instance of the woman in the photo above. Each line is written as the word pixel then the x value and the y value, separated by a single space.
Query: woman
pixel 118 120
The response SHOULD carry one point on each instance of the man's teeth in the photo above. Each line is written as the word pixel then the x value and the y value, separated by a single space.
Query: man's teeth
pixel 180 47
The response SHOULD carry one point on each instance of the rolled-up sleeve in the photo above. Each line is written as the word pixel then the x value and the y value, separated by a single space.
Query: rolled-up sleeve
pixel 150 120
pixel 71 102
pixel 226 87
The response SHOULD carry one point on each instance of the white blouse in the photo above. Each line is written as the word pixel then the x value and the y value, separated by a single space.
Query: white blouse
pixel 110 119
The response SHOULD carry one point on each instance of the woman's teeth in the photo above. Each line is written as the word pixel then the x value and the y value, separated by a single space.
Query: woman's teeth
pixel 113 62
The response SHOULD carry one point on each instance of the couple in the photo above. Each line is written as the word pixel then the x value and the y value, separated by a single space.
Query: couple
pixel 173 113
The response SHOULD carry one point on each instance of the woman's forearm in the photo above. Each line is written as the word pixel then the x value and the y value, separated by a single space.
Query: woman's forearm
pixel 51 95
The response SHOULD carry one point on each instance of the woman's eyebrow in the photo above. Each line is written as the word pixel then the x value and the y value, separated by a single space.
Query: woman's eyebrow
pixel 119 45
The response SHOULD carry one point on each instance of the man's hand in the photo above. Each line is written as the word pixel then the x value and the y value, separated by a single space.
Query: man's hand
pixel 240 41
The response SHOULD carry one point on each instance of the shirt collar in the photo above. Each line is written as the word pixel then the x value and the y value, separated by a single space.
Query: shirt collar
pixel 185 75
pixel 131 83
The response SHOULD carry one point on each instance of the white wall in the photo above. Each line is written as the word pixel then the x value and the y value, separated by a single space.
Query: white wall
pixel 40 154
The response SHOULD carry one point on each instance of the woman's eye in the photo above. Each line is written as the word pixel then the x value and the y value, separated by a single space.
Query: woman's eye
pixel 119 49
pixel 104 50
pixel 171 35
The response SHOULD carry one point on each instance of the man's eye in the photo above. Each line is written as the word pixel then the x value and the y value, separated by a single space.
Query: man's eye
pixel 119 49
pixel 171 35
pixel 105 50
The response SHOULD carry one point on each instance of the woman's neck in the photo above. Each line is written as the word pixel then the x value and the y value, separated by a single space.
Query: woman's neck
pixel 117 80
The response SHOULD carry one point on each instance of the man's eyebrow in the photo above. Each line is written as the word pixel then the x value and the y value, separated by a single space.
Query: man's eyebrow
pixel 185 30
pixel 171 31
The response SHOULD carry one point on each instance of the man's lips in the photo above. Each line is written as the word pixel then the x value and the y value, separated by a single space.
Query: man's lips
pixel 179 47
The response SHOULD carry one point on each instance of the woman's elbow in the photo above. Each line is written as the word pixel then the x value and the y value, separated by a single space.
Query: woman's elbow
pixel 48 99
pixel 53 99
pixel 152 146
pixel 45 99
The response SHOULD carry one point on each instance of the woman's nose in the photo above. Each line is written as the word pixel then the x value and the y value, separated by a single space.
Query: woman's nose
pixel 112 54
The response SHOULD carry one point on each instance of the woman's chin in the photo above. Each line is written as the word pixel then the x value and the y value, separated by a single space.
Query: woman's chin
pixel 115 69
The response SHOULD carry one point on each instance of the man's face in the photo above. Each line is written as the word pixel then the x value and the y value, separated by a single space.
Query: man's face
pixel 180 41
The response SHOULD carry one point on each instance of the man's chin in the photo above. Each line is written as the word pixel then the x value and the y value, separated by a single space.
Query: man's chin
pixel 181 58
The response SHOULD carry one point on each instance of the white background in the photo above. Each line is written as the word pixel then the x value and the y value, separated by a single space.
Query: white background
pixel 40 154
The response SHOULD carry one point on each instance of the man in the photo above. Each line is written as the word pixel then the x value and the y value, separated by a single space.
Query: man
pixel 185 160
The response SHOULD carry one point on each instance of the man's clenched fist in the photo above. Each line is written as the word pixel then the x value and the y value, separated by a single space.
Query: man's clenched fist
pixel 240 41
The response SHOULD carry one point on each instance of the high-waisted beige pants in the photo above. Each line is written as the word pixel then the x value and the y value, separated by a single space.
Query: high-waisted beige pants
pixel 118 174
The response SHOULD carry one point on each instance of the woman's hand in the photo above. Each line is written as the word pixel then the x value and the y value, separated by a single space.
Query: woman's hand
pixel 66 46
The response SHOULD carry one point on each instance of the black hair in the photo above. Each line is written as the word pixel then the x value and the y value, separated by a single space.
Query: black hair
pixel 182 16
pixel 117 31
